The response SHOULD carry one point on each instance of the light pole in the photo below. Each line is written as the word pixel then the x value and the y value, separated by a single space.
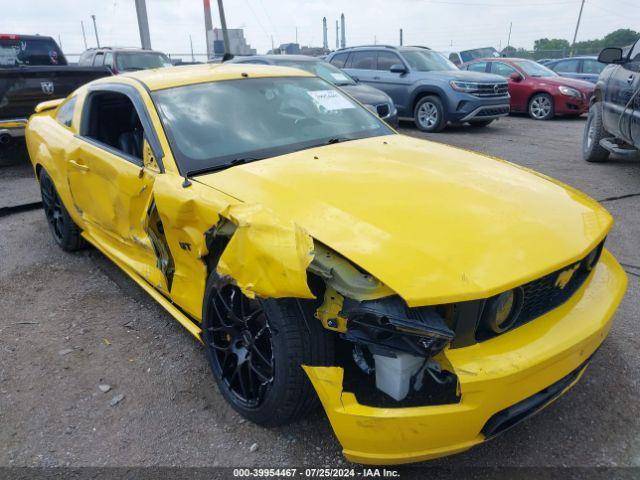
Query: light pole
pixel 95 29
pixel 143 24
pixel 84 36
pixel 223 24
pixel 575 34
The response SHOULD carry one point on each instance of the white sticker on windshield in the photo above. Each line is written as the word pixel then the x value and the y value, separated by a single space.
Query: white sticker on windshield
pixel 339 77
pixel 330 100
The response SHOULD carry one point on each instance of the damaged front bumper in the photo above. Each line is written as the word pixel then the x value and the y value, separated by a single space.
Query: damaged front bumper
pixel 502 381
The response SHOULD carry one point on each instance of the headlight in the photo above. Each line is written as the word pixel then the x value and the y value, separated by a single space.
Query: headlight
pixel 463 86
pixel 570 92
pixel 501 311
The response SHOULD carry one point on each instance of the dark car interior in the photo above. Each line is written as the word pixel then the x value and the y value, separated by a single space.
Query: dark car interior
pixel 113 120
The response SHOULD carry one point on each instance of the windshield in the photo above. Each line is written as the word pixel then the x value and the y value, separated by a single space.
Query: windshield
pixel 40 51
pixel 427 61
pixel 468 55
pixel 141 60
pixel 534 69
pixel 214 125
pixel 323 70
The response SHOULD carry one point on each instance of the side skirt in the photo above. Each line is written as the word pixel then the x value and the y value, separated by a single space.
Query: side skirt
pixel 174 311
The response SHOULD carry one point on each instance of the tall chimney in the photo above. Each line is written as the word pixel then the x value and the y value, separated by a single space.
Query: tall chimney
pixel 325 42
pixel 343 40
pixel 337 43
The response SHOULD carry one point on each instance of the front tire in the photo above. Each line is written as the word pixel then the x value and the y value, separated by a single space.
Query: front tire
pixel 541 107
pixel 428 114
pixel 256 347
pixel 594 131
pixel 64 230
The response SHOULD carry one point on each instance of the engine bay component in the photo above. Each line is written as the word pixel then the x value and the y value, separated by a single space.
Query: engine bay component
pixel 396 375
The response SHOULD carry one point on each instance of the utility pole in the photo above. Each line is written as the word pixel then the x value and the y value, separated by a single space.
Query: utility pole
pixel 223 23
pixel 400 37
pixel 509 37
pixel 296 34
pixel 375 39
pixel 325 42
pixel 575 34
pixel 95 29
pixel 272 46
pixel 343 37
pixel 193 58
pixel 84 36
pixel 208 27
pixel 59 41
pixel 143 24
pixel 337 44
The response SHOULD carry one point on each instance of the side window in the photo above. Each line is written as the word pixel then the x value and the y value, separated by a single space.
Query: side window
pixel 98 60
pixel 362 60
pixel 592 66
pixel 477 67
pixel 108 59
pixel 85 58
pixel 455 59
pixel 634 57
pixel 339 60
pixel 502 69
pixel 387 59
pixel 65 112
pixel 566 66
pixel 113 121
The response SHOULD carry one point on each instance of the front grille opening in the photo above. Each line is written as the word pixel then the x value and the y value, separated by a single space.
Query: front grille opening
pixel 382 109
pixel 507 418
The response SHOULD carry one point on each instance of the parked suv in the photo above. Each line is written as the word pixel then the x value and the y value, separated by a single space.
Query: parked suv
pixel 124 59
pixel 426 87
pixel 612 125
pixel 582 68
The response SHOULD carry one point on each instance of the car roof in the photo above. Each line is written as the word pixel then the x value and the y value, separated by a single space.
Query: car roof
pixel 276 58
pixel 578 57
pixel 168 77
pixel 383 47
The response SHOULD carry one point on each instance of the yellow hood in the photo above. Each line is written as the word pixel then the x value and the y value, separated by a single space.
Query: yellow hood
pixel 436 224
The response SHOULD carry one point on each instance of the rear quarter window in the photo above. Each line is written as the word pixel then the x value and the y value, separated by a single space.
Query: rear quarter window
pixel 339 60
pixel 65 112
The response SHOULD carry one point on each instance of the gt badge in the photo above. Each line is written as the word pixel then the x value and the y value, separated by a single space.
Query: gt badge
pixel 565 276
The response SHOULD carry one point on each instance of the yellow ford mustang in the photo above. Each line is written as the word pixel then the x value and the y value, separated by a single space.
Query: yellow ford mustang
pixel 432 297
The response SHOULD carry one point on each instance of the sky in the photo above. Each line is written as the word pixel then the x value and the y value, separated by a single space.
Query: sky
pixel 440 24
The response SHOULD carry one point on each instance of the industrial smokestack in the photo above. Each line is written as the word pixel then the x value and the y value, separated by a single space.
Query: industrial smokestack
pixel 337 43
pixel 325 42
pixel 343 40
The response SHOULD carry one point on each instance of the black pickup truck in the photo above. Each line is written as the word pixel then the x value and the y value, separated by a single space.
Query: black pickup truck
pixel 613 125
pixel 33 69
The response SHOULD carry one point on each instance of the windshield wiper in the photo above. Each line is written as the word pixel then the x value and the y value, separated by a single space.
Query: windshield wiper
pixel 223 166
pixel 333 140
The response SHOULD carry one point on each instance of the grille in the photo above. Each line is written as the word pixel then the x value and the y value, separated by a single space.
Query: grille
pixel 382 109
pixel 492 112
pixel 543 295
pixel 491 90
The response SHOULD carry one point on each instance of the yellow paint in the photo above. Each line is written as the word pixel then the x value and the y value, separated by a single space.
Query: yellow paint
pixel 330 311
pixel 433 223
pixel 493 375
pixel 48 105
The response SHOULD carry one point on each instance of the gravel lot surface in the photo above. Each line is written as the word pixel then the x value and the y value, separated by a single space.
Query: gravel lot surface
pixel 94 373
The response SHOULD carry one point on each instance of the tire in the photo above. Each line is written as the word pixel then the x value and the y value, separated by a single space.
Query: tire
pixel 64 230
pixel 480 123
pixel 592 151
pixel 428 114
pixel 279 391
pixel 541 107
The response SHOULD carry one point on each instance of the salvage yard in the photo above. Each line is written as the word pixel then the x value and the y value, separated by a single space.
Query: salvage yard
pixel 94 373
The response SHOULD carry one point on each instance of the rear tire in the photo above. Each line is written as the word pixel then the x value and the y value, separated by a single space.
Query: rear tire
pixel 428 114
pixel 541 107
pixel 594 131
pixel 266 350
pixel 64 230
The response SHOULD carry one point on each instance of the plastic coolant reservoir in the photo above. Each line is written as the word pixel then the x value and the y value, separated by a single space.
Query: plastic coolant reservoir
pixel 393 375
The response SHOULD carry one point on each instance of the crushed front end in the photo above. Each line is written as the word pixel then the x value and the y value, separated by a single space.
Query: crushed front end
pixel 412 384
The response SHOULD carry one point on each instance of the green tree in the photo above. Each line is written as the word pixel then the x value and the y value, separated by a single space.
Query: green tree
pixel 620 38
pixel 508 51
pixel 543 44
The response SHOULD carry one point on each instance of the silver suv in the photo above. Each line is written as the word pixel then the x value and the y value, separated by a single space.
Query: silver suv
pixel 426 87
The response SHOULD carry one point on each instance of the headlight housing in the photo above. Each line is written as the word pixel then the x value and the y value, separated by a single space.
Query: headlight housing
pixel 570 92
pixel 466 87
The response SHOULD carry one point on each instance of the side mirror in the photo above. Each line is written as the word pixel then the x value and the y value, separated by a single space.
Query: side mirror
pixel 610 55
pixel 398 68
pixel 515 76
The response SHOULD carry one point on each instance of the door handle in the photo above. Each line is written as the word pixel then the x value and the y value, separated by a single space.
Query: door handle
pixel 376 78
pixel 79 166
pixel 630 79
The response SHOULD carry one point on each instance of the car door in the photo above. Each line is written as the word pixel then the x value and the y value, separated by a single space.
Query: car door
pixel 519 90
pixel 590 69
pixel 394 84
pixel 618 92
pixel 361 66
pixel 632 112
pixel 111 175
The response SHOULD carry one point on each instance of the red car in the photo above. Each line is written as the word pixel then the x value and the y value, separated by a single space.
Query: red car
pixel 535 89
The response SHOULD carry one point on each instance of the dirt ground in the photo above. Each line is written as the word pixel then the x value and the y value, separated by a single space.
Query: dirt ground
pixel 73 322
